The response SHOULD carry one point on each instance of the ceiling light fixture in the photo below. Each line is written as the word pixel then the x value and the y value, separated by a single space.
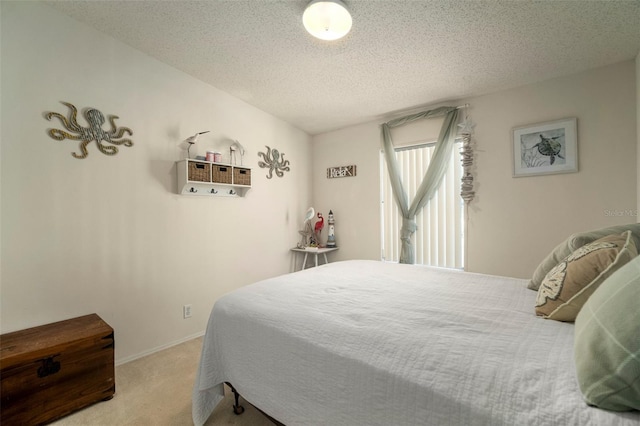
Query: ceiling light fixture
pixel 327 19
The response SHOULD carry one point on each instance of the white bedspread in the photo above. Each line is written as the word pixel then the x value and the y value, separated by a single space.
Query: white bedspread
pixel 373 343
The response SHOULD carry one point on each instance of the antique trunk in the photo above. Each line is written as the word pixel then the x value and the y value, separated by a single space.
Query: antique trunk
pixel 53 370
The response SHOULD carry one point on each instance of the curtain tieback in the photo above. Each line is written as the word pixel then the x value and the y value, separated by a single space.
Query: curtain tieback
pixel 408 229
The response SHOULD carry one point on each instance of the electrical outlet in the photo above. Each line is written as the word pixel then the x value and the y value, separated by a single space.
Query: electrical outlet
pixel 186 311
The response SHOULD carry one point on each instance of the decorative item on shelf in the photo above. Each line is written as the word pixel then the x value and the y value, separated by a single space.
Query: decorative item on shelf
pixel 199 172
pixel 307 231
pixel 274 161
pixel 92 133
pixel 317 229
pixel 192 140
pixel 221 174
pixel 341 171
pixel 241 176
pixel 331 237
pixel 235 147
pixel 466 152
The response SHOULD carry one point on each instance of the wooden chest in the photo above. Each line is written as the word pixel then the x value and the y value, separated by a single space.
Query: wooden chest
pixel 53 370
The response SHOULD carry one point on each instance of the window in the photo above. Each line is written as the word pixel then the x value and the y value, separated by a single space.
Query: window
pixel 439 239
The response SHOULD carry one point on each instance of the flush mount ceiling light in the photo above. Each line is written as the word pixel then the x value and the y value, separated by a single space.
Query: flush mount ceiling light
pixel 327 19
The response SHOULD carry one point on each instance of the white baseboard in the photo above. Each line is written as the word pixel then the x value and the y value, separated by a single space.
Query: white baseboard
pixel 121 361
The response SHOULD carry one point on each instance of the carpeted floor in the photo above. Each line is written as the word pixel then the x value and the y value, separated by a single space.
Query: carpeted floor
pixel 156 390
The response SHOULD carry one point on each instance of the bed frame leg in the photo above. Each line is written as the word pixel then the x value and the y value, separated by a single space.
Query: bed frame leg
pixel 237 408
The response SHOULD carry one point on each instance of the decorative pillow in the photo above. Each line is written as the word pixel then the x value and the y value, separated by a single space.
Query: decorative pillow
pixel 607 342
pixel 567 287
pixel 574 242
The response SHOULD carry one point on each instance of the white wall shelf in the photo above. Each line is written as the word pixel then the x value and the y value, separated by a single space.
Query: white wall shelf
pixel 204 178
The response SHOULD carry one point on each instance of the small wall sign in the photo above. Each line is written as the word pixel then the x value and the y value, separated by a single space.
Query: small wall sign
pixel 341 171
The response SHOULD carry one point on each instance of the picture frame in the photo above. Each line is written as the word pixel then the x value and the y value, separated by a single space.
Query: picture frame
pixel 545 148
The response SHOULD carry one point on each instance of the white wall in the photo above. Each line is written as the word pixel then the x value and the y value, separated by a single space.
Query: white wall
pixel 513 222
pixel 109 234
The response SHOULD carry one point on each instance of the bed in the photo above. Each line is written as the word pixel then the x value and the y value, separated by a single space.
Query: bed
pixel 374 343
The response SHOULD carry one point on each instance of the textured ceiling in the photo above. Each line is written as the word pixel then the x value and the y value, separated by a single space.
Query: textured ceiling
pixel 399 54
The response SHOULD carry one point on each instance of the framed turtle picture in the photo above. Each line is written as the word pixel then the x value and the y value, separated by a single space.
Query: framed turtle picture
pixel 545 148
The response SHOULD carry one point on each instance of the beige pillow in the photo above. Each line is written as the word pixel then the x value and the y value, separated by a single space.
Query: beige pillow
pixel 574 242
pixel 570 283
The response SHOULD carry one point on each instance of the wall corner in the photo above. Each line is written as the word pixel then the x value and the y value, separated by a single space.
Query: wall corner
pixel 638 135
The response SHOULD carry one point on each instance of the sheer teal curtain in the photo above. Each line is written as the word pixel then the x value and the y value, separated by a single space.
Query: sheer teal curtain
pixel 432 177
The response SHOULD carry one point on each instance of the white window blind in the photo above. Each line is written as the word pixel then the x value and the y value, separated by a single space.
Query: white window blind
pixel 439 239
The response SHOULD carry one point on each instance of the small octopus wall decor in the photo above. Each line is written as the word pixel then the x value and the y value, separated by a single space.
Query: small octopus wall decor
pixel 274 161
pixel 92 133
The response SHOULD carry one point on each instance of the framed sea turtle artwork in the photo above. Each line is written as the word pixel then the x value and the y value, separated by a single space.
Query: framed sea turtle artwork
pixel 545 148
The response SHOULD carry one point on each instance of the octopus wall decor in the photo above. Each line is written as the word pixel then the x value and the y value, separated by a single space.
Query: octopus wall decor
pixel 92 133
pixel 274 161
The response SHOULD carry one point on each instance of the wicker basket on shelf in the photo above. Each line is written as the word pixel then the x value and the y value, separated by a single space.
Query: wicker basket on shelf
pixel 241 176
pixel 221 174
pixel 200 172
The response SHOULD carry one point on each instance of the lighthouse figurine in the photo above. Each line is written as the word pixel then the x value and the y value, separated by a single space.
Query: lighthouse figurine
pixel 331 238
